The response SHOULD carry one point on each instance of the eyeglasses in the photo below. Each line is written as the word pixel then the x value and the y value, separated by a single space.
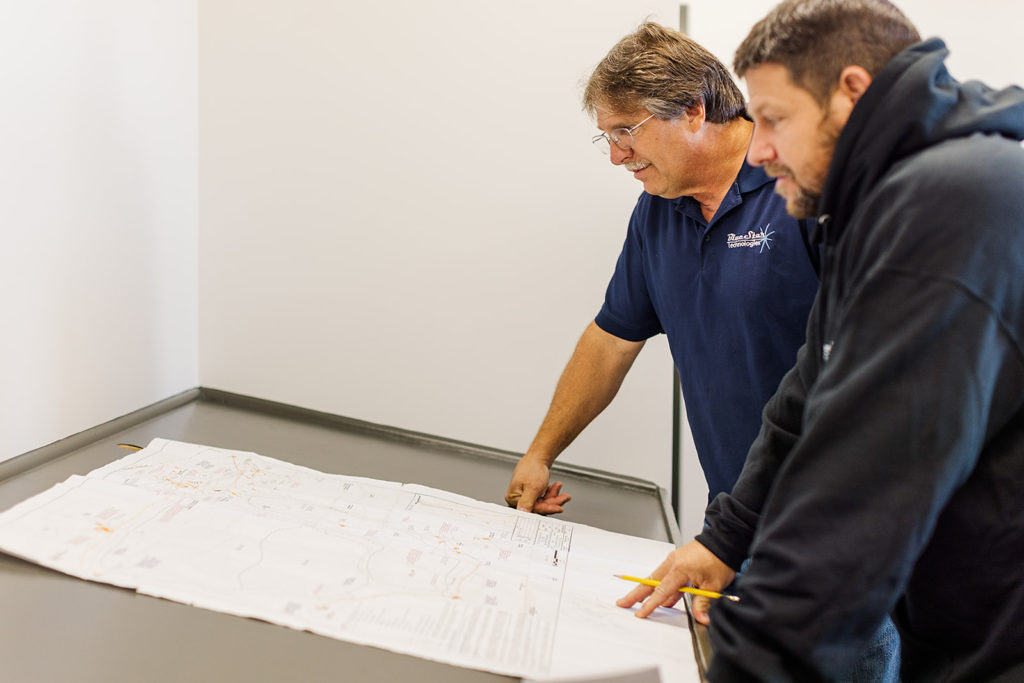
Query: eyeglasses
pixel 622 137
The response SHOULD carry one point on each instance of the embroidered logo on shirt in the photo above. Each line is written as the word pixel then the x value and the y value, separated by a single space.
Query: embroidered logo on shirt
pixel 752 239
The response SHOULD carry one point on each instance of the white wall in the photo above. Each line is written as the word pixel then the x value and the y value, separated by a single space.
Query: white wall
pixel 404 220
pixel 98 208
pixel 983 45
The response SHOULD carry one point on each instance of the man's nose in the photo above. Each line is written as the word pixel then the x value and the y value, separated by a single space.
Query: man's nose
pixel 619 155
pixel 760 151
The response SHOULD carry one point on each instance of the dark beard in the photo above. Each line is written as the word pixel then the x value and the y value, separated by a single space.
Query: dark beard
pixel 804 205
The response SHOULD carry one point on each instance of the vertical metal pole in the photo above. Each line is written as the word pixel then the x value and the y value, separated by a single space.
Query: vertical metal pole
pixel 677 446
pixel 677 395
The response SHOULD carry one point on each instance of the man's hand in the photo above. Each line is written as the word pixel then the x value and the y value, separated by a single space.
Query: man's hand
pixel 529 489
pixel 688 565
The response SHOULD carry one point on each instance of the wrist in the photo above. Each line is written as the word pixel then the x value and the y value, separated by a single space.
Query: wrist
pixel 538 456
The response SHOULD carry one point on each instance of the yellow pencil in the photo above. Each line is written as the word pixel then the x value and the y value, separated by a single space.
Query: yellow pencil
pixel 684 589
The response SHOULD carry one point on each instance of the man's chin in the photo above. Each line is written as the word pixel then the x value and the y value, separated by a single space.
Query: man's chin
pixel 800 204
pixel 800 208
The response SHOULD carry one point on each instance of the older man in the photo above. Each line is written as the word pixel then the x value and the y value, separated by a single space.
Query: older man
pixel 711 259
pixel 888 476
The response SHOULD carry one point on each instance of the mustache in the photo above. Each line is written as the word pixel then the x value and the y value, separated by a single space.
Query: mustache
pixel 776 170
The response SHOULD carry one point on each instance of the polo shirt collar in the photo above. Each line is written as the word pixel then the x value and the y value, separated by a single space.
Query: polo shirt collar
pixel 749 178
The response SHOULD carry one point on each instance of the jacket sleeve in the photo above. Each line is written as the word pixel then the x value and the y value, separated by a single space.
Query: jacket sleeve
pixel 921 372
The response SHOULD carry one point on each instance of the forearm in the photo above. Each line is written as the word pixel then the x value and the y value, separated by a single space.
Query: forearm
pixel 590 381
pixel 587 385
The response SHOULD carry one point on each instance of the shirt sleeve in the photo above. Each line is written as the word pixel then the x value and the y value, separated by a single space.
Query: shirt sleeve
pixel 628 311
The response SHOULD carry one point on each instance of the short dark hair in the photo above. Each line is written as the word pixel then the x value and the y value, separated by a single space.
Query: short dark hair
pixel 665 72
pixel 816 39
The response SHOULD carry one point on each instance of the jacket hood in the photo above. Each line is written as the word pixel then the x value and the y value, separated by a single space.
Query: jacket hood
pixel 911 104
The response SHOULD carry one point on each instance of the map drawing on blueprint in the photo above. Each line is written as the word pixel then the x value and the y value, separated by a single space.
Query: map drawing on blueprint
pixel 404 567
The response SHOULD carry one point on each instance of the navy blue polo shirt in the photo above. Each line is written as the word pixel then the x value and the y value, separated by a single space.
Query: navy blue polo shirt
pixel 733 297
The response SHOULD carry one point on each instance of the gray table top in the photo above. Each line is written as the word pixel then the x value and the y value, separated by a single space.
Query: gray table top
pixel 55 628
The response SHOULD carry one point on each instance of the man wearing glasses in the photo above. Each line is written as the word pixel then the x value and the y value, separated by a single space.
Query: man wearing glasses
pixel 711 259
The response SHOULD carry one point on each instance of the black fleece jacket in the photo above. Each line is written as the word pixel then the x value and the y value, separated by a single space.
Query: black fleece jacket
pixel 888 476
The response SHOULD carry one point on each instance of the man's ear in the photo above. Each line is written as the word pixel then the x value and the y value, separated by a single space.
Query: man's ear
pixel 853 83
pixel 696 114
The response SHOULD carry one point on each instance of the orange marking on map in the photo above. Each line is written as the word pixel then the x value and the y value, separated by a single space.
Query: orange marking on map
pixel 180 484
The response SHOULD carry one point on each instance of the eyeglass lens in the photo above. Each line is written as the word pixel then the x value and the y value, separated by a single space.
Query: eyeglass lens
pixel 620 136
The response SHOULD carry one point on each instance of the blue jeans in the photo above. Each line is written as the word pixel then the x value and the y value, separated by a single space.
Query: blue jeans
pixel 880 662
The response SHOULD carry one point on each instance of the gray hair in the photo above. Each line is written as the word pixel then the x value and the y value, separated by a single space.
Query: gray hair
pixel 663 71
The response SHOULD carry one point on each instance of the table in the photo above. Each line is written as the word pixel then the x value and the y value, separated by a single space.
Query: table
pixel 55 627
